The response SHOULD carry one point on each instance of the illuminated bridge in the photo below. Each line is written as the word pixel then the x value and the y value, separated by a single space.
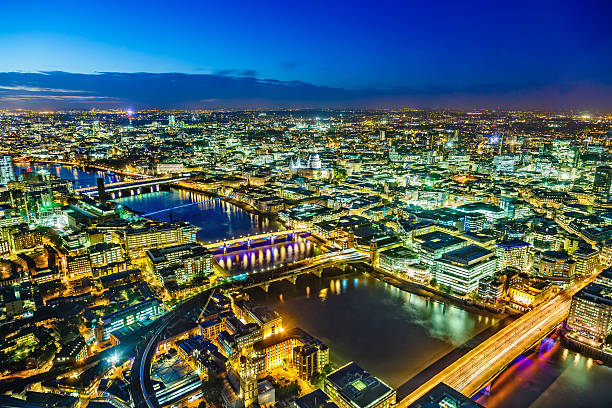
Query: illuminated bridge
pixel 290 272
pixel 132 187
pixel 249 239
pixel 477 369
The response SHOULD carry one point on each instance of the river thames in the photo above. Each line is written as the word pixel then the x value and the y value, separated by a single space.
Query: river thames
pixel 392 333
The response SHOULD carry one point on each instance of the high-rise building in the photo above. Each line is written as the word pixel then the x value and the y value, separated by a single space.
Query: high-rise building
pixel 602 181
pixel 462 269
pixel 513 253
pixel 591 312
pixel 7 172
pixel 101 190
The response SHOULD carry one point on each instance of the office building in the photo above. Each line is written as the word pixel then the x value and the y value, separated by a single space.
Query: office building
pixel 105 253
pixel 351 386
pixel 591 312
pixel 443 396
pixel 77 267
pixel 490 289
pixel 316 399
pixel 269 320
pixel 7 172
pixel 397 260
pixel 169 168
pixel 137 313
pixel 74 351
pixel 181 263
pixel 138 239
pixel 555 266
pixel 462 269
pixel 295 348
pixel 513 253
pixel 602 182
pixel 587 259
pixel 433 245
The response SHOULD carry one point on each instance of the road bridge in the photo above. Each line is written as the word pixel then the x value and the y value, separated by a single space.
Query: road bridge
pixel 476 369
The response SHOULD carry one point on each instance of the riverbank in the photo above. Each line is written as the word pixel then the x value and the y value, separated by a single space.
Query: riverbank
pixel 580 347
pixel 240 204
pixel 435 294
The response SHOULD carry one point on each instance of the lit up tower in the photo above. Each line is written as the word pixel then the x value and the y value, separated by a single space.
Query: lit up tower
pixel 602 181
pixel 95 128
pixel 7 172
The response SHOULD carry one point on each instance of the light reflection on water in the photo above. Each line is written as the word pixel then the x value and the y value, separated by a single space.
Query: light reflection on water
pixel 79 176
pixel 390 332
pixel 216 219
pixel 268 256
pixel 551 376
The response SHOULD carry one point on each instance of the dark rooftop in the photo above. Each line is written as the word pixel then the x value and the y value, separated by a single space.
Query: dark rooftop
pixel 467 255
pixel 358 386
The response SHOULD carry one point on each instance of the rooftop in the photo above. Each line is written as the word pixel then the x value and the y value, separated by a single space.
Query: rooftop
pixel 358 386
pixel 468 255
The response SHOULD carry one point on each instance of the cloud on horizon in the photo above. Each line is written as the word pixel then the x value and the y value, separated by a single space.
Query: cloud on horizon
pixel 241 89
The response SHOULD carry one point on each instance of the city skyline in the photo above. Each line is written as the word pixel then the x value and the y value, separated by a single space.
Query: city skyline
pixel 549 55
pixel 306 204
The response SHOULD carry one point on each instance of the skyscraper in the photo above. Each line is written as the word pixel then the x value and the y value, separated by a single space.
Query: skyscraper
pixel 603 181
pixel 7 172
pixel 101 190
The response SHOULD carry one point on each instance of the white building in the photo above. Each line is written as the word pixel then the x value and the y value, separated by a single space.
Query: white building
pixel 7 172
pixel 462 269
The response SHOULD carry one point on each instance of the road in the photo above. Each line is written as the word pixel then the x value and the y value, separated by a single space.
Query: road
pixel 140 383
pixel 472 371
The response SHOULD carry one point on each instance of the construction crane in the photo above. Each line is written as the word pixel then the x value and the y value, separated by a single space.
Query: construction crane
pixel 206 304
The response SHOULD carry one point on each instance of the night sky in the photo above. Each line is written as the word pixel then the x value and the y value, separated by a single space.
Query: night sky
pixel 463 54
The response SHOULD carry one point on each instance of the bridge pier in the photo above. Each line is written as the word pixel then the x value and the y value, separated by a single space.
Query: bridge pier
pixel 318 272
pixel 248 244
pixel 272 237
pixel 292 279
pixel 113 196
pixel 265 286
pixel 131 191
pixel 224 249
pixel 487 389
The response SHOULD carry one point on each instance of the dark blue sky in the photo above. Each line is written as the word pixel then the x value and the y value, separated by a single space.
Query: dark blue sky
pixel 486 51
